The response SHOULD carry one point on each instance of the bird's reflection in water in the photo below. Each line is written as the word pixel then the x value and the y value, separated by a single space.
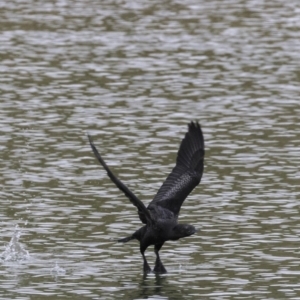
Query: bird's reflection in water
pixel 157 286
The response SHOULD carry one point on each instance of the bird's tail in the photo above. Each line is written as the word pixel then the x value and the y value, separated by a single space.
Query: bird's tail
pixel 127 239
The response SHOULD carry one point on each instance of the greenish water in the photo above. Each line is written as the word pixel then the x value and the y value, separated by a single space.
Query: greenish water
pixel 133 74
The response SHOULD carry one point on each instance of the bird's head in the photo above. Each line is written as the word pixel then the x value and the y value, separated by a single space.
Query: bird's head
pixel 182 230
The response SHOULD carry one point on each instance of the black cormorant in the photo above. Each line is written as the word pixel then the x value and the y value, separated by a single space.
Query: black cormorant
pixel 161 215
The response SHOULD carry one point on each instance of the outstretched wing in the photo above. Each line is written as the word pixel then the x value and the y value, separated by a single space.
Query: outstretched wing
pixel 187 173
pixel 143 211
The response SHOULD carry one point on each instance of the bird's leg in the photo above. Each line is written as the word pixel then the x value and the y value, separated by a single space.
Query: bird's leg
pixel 159 267
pixel 147 269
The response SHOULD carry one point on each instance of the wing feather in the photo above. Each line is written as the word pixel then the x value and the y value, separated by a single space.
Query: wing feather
pixel 143 211
pixel 186 174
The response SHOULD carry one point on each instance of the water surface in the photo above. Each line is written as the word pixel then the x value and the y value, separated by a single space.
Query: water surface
pixel 133 75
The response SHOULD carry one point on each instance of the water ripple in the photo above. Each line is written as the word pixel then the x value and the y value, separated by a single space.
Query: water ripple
pixel 133 74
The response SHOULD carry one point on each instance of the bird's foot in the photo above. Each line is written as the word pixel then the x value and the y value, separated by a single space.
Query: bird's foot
pixel 147 269
pixel 159 268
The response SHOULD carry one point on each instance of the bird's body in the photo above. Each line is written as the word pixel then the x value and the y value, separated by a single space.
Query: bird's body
pixel 161 215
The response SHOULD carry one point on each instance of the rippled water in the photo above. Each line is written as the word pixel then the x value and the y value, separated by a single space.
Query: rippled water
pixel 133 74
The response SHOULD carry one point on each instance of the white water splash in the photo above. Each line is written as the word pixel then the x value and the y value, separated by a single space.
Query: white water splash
pixel 57 270
pixel 14 251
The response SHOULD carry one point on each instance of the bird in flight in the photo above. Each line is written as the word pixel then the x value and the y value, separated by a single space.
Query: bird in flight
pixel 161 215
